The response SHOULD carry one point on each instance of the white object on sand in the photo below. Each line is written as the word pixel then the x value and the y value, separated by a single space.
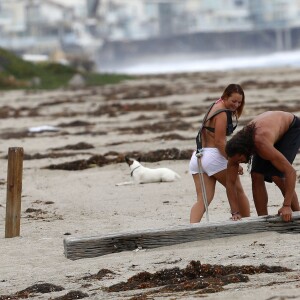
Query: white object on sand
pixel 43 128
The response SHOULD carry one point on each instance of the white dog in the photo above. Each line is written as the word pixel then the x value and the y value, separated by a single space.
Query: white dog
pixel 141 174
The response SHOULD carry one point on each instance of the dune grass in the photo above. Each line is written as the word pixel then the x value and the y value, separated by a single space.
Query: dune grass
pixel 16 73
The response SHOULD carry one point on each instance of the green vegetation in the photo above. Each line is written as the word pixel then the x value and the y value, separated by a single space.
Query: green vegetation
pixel 15 73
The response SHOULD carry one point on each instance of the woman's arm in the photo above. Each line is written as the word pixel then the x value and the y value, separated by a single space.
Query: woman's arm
pixel 231 177
pixel 220 125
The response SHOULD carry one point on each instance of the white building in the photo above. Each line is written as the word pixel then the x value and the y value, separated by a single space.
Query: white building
pixel 121 19
pixel 275 13
pixel 74 21
pixel 222 15
pixel 12 16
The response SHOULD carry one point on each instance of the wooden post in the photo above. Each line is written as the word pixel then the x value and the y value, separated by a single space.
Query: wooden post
pixel 14 190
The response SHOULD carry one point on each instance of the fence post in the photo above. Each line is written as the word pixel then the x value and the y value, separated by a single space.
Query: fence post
pixel 14 190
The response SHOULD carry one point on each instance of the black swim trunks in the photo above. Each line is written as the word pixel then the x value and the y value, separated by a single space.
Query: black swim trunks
pixel 288 145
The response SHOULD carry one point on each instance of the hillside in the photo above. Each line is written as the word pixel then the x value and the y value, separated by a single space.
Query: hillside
pixel 16 73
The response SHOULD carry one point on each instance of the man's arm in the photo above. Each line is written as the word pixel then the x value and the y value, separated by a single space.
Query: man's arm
pixel 282 164
pixel 289 172
pixel 278 160
pixel 231 177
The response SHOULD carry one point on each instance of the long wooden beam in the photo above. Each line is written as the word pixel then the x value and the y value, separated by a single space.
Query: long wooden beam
pixel 84 247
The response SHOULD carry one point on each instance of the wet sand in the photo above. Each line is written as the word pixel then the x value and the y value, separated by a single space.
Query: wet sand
pixel 70 176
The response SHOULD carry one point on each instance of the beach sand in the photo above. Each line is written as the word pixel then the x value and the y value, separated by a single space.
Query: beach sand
pixel 137 117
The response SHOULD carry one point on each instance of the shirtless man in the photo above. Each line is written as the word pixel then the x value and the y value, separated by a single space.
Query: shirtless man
pixel 272 139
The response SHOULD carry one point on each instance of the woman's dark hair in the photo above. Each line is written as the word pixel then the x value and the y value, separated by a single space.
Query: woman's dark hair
pixel 235 88
pixel 242 142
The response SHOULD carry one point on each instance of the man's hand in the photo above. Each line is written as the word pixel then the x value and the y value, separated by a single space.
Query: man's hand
pixel 235 216
pixel 286 213
pixel 240 171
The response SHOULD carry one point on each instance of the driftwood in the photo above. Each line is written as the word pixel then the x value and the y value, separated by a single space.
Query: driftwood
pixel 76 248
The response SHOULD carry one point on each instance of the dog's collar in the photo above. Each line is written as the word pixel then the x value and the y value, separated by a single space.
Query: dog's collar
pixel 134 170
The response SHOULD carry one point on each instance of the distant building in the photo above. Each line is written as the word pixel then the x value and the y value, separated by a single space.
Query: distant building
pixel 224 15
pixel 141 29
pixel 47 18
pixel 12 17
pixel 42 26
pixel 274 13
pixel 139 19
pixel 81 26
pixel 142 19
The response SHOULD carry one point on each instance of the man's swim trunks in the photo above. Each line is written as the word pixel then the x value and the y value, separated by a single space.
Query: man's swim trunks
pixel 288 145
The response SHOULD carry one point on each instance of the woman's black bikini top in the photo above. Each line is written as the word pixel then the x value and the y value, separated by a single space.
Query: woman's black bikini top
pixel 229 128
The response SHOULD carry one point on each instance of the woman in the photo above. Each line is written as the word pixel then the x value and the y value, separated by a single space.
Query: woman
pixel 217 123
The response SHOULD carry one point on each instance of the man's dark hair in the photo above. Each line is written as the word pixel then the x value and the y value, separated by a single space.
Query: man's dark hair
pixel 242 142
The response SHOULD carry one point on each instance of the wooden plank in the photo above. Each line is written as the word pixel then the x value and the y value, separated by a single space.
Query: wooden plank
pixel 84 247
pixel 14 190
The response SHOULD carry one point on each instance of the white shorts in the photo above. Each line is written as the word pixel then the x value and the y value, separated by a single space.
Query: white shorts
pixel 212 162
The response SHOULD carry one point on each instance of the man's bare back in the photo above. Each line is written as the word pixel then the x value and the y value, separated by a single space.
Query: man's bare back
pixel 270 127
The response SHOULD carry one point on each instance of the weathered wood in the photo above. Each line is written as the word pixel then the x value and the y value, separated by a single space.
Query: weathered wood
pixel 76 248
pixel 14 190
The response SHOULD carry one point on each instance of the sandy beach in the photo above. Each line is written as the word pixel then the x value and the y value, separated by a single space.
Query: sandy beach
pixel 71 169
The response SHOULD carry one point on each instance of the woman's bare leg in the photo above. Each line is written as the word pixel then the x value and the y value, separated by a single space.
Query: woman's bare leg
pixel 244 207
pixel 198 208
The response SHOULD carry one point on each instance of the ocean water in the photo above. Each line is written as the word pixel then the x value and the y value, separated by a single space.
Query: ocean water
pixel 173 65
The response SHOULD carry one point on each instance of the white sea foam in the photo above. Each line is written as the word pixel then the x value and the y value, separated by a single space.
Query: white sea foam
pixel 276 59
